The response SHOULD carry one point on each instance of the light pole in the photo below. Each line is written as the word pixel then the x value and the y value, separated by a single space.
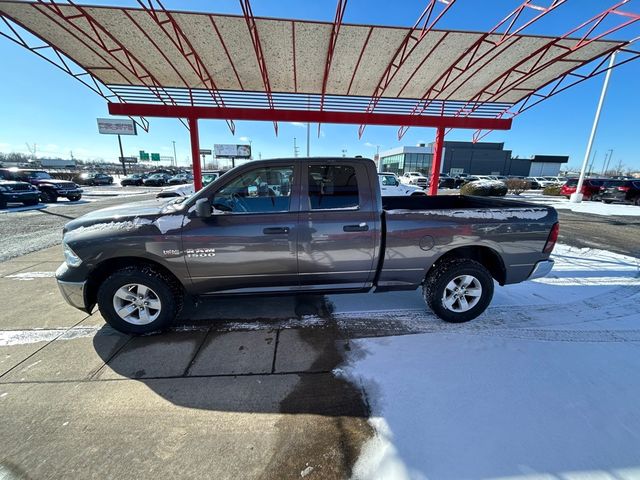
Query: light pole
pixel 577 196
pixel 175 157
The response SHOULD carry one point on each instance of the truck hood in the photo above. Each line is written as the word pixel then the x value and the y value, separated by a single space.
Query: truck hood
pixel 53 181
pixel 161 213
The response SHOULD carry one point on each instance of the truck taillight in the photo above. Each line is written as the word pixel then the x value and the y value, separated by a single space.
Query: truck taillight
pixel 624 189
pixel 553 238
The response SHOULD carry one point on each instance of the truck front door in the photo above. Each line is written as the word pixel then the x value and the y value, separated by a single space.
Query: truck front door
pixel 338 227
pixel 249 242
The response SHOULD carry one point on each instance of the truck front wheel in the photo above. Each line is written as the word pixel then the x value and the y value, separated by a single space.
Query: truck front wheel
pixel 139 299
pixel 458 290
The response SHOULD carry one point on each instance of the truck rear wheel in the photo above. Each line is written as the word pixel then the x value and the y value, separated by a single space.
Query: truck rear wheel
pixel 139 299
pixel 458 290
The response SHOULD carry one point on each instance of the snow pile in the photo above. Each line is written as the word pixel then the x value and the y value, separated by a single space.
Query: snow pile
pixel 127 225
pixel 551 392
pixel 595 208
pixel 486 214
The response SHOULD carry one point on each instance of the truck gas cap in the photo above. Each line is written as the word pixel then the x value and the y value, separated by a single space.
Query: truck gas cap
pixel 427 242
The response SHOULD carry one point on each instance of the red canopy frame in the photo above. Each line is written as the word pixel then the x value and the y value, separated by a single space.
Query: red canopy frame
pixel 169 87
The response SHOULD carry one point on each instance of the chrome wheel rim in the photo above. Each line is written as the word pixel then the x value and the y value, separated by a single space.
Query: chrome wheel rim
pixel 462 293
pixel 137 304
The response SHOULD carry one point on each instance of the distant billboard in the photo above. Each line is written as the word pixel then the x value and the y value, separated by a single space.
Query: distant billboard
pixel 116 126
pixel 232 151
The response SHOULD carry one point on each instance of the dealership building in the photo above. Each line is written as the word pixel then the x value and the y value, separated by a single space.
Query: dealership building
pixel 470 158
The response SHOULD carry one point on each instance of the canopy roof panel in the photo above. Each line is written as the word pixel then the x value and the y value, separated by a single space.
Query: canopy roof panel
pixel 128 47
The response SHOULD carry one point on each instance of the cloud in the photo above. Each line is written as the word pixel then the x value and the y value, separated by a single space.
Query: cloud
pixel 244 139
pixel 371 145
pixel 322 134
pixel 298 124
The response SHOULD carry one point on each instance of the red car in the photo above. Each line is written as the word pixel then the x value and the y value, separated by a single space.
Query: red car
pixel 590 187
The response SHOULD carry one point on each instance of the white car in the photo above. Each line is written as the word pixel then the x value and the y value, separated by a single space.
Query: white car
pixel 543 182
pixel 390 186
pixel 415 178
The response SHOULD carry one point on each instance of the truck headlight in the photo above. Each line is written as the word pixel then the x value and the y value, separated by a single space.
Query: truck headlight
pixel 70 257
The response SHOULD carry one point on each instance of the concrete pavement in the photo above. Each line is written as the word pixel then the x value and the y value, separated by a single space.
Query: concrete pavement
pixel 212 399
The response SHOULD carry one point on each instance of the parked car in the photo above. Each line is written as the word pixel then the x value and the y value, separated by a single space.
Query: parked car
pixel 157 180
pixel 50 188
pixel 180 179
pixel 189 189
pixel 390 186
pixel 14 191
pixel 590 187
pixel 623 191
pixel 415 178
pixel 328 231
pixel 541 181
pixel 556 180
pixel 95 178
pixel 446 181
pixel 135 179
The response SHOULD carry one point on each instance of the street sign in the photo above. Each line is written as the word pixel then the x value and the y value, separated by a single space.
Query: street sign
pixel 116 126
pixel 456 171
pixel 128 159
pixel 144 156
pixel 205 152
pixel 155 157
pixel 232 151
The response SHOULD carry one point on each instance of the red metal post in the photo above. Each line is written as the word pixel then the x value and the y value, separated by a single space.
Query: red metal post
pixel 436 162
pixel 195 153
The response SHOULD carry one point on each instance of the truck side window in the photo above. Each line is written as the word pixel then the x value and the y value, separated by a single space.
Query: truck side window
pixel 261 190
pixel 332 186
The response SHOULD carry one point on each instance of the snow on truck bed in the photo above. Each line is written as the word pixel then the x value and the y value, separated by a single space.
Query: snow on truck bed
pixel 544 385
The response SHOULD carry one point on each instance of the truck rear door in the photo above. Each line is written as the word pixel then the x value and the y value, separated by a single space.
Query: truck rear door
pixel 338 226
pixel 249 243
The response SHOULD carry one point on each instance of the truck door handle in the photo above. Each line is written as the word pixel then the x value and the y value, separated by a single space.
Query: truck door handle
pixel 361 227
pixel 275 230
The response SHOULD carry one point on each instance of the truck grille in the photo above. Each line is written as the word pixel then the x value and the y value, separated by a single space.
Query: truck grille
pixel 19 187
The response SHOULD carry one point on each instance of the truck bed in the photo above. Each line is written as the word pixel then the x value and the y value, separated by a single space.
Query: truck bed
pixel 450 202
pixel 418 230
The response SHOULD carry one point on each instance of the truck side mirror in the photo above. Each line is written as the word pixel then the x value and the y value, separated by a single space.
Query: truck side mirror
pixel 203 208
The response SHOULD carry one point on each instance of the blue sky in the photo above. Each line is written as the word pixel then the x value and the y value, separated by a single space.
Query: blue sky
pixel 42 105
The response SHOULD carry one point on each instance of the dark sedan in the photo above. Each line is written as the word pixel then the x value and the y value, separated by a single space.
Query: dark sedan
pixel 95 179
pixel 626 191
pixel 180 179
pixel 157 180
pixel 136 180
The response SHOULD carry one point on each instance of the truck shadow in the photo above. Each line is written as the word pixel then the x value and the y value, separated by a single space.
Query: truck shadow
pixel 275 370
pixel 267 371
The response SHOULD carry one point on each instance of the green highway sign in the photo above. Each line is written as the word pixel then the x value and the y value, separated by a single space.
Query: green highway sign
pixel 144 155
pixel 155 157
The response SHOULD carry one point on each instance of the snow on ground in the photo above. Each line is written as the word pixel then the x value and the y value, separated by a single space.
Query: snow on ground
pixel 545 385
pixel 596 208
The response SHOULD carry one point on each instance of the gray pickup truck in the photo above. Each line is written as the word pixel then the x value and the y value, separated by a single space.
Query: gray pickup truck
pixel 300 225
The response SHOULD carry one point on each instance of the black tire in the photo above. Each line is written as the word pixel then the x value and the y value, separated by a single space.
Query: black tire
pixel 446 271
pixel 47 196
pixel 75 198
pixel 165 287
pixel 30 203
pixel 606 201
pixel 3 204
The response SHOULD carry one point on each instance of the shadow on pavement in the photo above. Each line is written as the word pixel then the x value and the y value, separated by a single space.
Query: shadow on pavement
pixel 267 371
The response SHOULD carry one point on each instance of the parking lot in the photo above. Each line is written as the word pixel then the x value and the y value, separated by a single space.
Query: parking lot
pixel 325 386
